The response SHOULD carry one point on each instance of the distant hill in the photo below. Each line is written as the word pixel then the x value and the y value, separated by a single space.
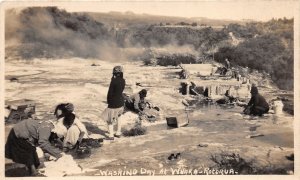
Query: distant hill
pixel 49 32
pixel 128 19
pixel 267 47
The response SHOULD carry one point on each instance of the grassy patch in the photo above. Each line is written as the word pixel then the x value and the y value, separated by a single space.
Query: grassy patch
pixel 225 160
pixel 137 130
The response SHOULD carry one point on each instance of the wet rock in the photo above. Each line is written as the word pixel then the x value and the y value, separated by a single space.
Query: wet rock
pixel 174 156
pixel 253 128
pixel 279 147
pixel 184 102
pixel 171 157
pixel 177 122
pixel 203 145
pixel 178 156
pixel 14 79
pixel 83 152
pixel 290 157
pixel 254 135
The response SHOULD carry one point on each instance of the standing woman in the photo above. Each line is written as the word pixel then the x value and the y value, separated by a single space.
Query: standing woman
pixel 115 101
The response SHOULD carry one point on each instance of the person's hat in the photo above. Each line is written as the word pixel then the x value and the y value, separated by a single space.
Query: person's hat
pixel 143 92
pixel 254 90
pixel 69 107
pixel 118 69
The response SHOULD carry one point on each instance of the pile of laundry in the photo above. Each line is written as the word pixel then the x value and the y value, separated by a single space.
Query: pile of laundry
pixel 62 167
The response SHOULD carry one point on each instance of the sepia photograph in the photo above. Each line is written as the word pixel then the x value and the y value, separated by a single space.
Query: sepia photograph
pixel 141 88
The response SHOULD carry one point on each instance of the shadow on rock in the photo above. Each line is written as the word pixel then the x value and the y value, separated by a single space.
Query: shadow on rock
pixel 95 129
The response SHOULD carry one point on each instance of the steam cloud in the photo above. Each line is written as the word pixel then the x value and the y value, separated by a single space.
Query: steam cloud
pixel 50 32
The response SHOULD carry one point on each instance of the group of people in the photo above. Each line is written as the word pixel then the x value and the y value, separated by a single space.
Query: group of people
pixel 118 102
pixel 257 105
pixel 26 135
pixel 67 130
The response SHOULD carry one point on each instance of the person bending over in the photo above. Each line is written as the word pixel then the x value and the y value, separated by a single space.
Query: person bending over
pixel 257 105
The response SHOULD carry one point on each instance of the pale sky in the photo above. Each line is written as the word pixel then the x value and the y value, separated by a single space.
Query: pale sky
pixel 214 9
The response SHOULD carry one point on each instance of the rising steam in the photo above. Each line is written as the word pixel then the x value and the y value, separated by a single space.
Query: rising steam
pixel 48 32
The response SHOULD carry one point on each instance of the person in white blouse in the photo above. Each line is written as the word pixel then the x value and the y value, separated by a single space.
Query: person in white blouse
pixel 71 129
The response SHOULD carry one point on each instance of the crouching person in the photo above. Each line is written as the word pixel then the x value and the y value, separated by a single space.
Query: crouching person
pixel 227 99
pixel 23 139
pixel 257 105
pixel 72 131
pixel 138 104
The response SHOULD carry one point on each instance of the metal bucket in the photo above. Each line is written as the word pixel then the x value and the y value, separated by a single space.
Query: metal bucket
pixel 179 120
pixel 278 106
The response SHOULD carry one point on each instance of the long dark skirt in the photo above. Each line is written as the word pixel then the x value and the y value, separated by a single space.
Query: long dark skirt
pixel 20 151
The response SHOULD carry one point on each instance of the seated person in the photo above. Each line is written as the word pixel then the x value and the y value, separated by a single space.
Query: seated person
pixel 257 105
pixel 227 99
pixel 196 90
pixel 183 74
pixel 227 64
